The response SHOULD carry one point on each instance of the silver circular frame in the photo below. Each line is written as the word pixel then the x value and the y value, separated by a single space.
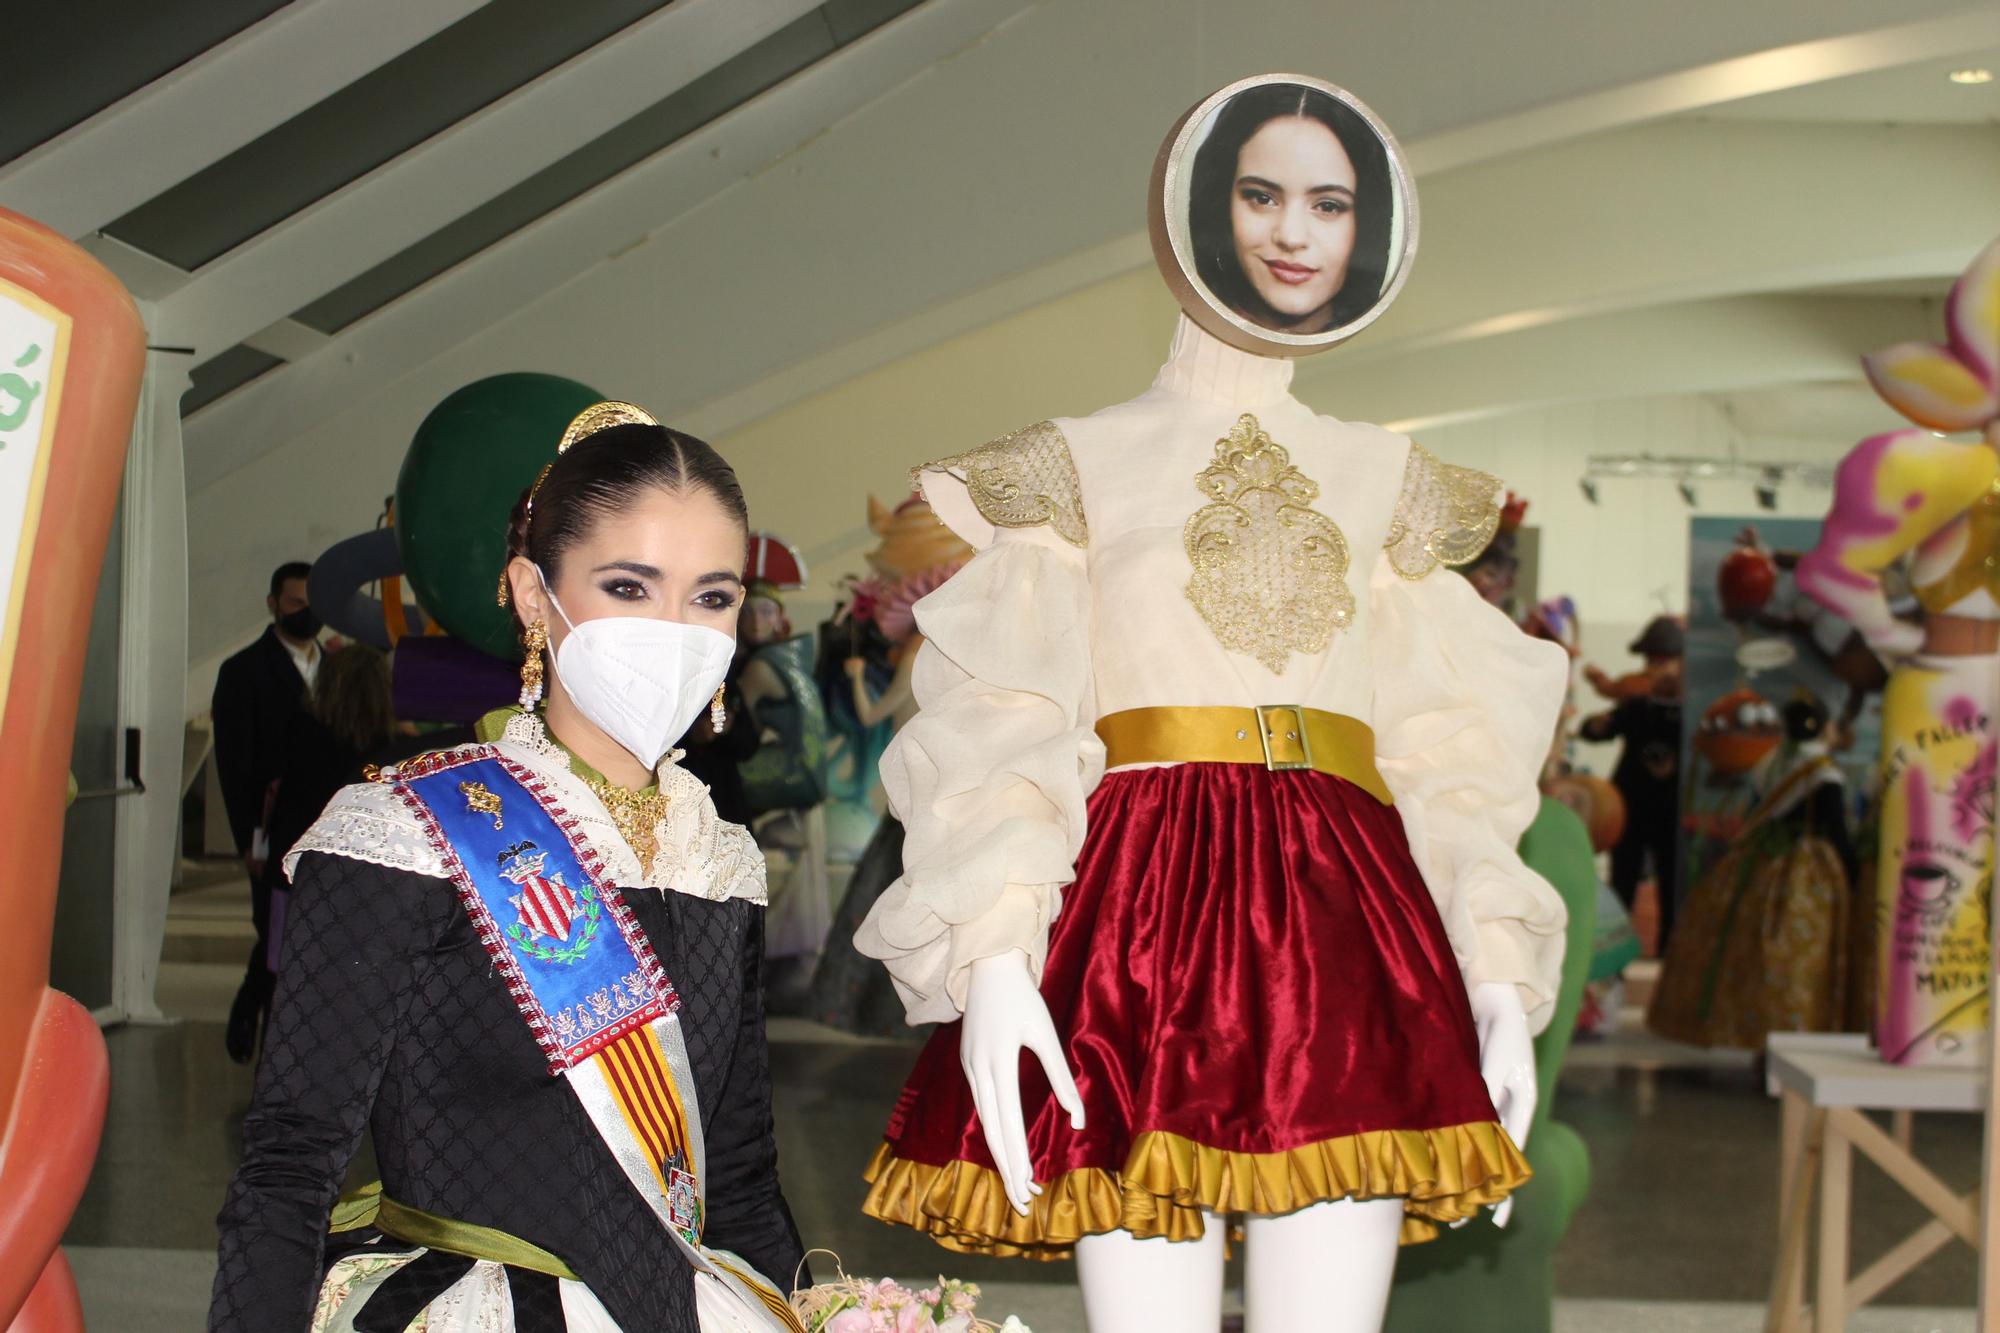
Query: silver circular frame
pixel 1167 211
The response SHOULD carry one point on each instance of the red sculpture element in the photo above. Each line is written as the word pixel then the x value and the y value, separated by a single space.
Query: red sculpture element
pixel 775 561
pixel 77 374
pixel 1747 578
pixel 1738 732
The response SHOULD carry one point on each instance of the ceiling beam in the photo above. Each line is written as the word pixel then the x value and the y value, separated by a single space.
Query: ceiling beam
pixel 150 278
pixel 1710 85
pixel 288 340
pixel 1690 347
pixel 202 111
pixel 1683 210
pixel 494 286
pixel 350 231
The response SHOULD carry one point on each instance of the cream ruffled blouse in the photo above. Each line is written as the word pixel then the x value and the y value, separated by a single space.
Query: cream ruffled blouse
pixel 1211 542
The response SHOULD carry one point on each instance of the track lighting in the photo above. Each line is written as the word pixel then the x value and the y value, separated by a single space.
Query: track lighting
pixel 1767 489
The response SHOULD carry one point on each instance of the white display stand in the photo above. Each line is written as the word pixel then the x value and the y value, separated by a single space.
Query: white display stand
pixel 1827 1081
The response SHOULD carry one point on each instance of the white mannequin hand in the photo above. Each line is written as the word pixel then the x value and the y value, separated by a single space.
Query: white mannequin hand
pixel 1003 1013
pixel 1507 1063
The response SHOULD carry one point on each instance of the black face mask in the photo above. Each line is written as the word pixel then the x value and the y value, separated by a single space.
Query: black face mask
pixel 299 624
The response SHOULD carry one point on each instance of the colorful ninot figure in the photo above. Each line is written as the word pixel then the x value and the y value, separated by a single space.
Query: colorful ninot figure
pixel 1937 501
pixel 1739 731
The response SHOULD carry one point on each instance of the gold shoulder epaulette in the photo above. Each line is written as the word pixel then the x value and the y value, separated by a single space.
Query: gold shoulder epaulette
pixel 1447 515
pixel 1023 480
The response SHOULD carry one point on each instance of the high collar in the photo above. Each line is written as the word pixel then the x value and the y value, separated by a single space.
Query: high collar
pixel 1204 368
pixel 528 729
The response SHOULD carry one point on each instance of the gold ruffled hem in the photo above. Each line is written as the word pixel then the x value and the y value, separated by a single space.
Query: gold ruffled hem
pixel 1442 1175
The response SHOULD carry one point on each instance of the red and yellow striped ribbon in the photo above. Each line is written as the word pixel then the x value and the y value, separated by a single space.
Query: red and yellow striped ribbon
pixel 643 1086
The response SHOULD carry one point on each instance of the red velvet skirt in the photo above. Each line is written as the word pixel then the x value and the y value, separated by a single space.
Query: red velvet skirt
pixel 1262 1011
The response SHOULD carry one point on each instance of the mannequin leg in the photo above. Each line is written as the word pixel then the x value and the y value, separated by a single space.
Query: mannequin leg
pixel 1152 1286
pixel 1326 1267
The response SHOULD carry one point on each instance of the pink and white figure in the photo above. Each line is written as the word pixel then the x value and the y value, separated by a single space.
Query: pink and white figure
pixel 1936 501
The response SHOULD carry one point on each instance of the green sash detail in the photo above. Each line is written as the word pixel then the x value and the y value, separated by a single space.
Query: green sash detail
pixel 369 1207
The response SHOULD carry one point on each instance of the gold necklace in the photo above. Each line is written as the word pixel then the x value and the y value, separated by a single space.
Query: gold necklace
pixel 636 816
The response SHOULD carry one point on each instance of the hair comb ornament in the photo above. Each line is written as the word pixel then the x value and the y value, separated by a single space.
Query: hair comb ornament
pixel 603 416
pixel 596 417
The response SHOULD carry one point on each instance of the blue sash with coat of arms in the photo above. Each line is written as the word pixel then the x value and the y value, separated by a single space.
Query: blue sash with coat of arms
pixel 581 973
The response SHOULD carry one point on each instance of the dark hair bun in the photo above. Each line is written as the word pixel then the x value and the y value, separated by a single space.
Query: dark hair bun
pixel 603 474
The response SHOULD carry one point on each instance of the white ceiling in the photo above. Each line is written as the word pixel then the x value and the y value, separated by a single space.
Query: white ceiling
pixel 1917 94
pixel 1706 198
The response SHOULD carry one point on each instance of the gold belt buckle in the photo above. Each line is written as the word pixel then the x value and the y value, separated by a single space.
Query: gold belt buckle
pixel 1296 731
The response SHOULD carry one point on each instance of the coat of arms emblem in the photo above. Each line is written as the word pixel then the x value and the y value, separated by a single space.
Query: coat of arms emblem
pixel 557 922
pixel 684 1210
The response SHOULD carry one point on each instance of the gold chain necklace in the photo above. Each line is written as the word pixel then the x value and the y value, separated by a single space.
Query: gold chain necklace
pixel 636 815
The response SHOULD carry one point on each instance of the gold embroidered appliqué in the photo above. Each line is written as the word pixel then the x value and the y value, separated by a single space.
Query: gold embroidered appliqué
pixel 1023 480
pixel 1447 515
pixel 1270 573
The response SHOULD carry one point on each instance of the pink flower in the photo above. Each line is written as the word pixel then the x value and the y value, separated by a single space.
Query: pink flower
pixel 850 1321
pixel 913 1319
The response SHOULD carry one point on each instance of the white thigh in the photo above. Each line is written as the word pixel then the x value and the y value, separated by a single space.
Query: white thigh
pixel 1325 1268
pixel 1152 1286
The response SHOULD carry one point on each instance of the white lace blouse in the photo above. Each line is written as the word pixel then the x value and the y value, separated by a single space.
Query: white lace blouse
pixel 1211 542
pixel 699 853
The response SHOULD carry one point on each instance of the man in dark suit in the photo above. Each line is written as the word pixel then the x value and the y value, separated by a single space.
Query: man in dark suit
pixel 258 695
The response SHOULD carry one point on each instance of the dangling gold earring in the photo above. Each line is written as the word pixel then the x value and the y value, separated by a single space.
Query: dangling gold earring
pixel 717 717
pixel 533 640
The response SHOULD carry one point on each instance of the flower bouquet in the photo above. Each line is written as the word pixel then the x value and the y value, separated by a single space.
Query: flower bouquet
pixel 856 1305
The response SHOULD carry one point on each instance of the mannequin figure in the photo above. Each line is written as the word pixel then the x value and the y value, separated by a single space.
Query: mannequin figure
pixel 1212 798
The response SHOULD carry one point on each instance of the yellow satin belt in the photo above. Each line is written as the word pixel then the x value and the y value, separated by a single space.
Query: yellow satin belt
pixel 1280 737
pixel 369 1207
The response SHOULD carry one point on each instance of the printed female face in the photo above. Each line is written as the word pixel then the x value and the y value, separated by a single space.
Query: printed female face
pixel 1292 214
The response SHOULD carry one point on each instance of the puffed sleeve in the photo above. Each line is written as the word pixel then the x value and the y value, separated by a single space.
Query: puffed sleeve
pixel 990 777
pixel 1465 707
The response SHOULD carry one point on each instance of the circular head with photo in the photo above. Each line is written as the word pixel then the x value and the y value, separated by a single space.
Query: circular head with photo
pixel 1283 215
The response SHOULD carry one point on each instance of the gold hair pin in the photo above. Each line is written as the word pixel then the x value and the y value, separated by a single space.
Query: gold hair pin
pixel 596 417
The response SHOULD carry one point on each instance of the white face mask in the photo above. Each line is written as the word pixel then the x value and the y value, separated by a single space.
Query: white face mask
pixel 642 681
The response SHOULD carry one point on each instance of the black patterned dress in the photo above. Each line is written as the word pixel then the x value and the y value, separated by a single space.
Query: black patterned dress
pixel 388 1017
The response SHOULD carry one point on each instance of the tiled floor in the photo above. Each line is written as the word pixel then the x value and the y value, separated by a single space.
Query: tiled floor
pixel 1681 1212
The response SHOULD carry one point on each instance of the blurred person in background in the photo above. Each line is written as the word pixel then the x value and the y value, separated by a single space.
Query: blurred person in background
pixel 260 693
pixel 349 721
pixel 1647 719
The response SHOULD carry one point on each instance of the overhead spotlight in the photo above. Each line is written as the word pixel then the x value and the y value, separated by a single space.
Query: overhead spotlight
pixel 1767 489
pixel 1687 494
pixel 1974 75
pixel 1589 489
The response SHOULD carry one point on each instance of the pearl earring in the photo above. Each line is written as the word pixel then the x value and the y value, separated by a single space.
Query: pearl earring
pixel 718 718
pixel 533 640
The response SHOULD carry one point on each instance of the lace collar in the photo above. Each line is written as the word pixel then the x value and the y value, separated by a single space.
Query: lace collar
pixel 697 852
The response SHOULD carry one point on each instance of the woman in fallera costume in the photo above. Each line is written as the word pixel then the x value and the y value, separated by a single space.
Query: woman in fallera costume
pixel 531 967
pixel 1289 210
pixel 1766 941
